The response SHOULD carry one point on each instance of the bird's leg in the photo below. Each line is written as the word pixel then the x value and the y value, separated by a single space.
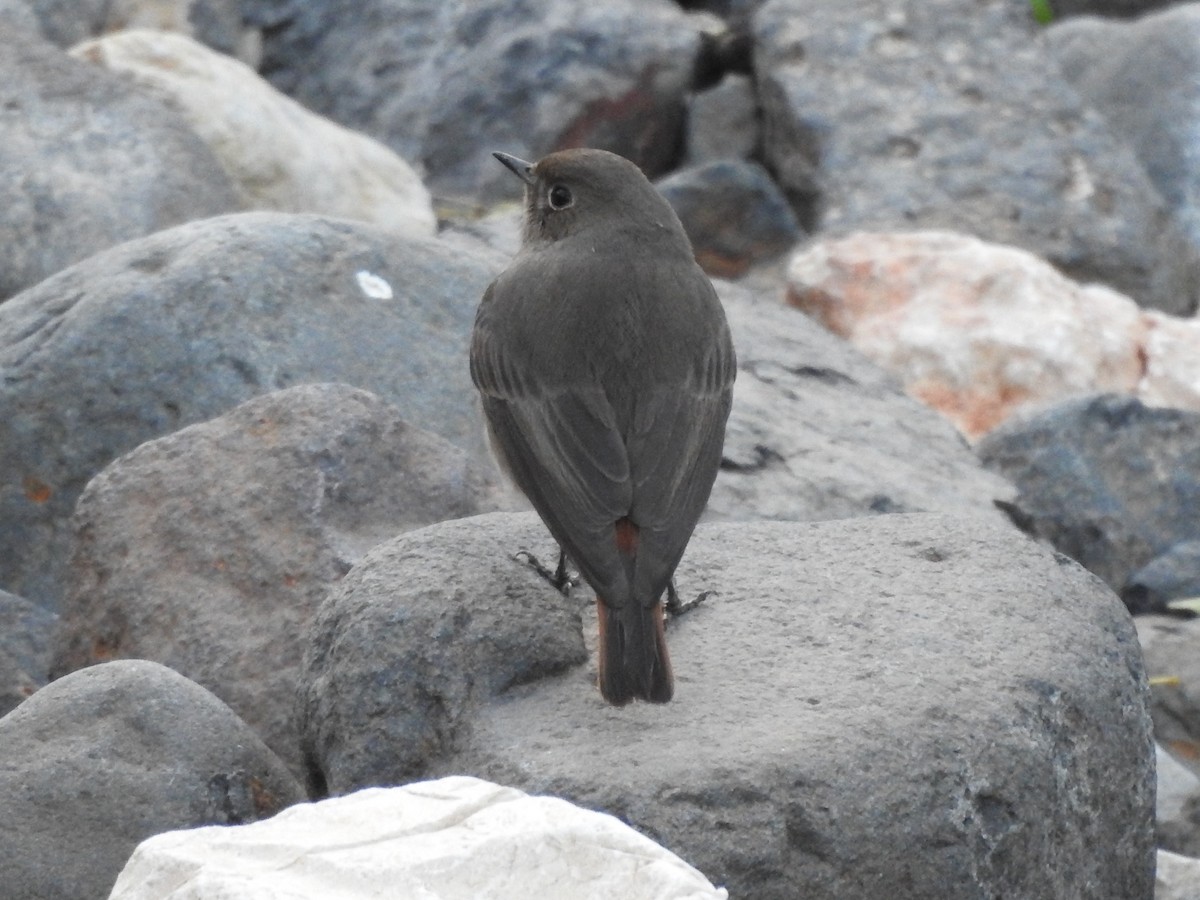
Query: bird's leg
pixel 560 579
pixel 676 607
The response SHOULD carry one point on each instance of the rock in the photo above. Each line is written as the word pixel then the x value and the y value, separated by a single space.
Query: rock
pixel 454 837
pixel 210 549
pixel 25 632
pixel 184 325
pixel 1172 650
pixel 462 627
pixel 932 703
pixel 16 16
pixel 1107 480
pixel 733 213
pixel 277 154
pixel 98 761
pixel 446 84
pixel 1178 877
pixel 88 161
pixel 1144 77
pixel 218 23
pixel 981 332
pixel 1177 805
pixel 913 115
pixel 722 122
pixel 1172 575
pixel 819 432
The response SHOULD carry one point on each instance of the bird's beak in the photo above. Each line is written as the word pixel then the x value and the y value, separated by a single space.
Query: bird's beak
pixel 519 167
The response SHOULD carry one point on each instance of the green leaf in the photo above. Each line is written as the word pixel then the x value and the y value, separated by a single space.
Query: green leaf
pixel 1043 12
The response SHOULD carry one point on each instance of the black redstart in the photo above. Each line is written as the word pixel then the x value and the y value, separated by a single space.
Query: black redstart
pixel 606 370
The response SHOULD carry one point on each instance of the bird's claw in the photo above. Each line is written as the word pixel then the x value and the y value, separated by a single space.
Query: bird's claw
pixel 675 607
pixel 560 579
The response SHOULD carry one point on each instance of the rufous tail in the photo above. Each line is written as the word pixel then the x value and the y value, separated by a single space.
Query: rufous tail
pixel 633 653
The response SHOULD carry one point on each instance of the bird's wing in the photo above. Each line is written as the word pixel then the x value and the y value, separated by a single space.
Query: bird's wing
pixel 675 448
pixel 561 444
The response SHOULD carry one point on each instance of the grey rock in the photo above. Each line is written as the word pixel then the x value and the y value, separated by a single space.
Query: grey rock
pixel 210 549
pixel 818 431
pixel 733 213
pixel 1144 77
pixel 88 161
pixel 902 706
pixel 1107 480
pixel 185 324
pixel 397 666
pixel 884 116
pixel 213 22
pixel 1172 575
pixel 445 83
pixel 25 631
pixel 722 122
pixel 102 759
pixel 1172 650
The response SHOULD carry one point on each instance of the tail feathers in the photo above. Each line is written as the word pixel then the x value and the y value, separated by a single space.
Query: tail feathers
pixel 633 654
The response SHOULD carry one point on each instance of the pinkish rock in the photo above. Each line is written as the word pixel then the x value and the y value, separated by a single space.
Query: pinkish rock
pixel 979 331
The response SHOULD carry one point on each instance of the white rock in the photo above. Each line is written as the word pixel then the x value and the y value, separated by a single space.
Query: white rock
pixel 457 837
pixel 980 331
pixel 280 156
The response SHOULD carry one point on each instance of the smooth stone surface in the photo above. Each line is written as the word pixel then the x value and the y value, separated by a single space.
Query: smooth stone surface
pixel 929 695
pixel 96 762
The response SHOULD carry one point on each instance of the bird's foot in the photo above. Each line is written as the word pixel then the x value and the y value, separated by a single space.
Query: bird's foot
pixel 676 608
pixel 560 579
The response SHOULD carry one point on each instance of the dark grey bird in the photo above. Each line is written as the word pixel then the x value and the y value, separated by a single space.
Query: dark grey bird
pixel 606 370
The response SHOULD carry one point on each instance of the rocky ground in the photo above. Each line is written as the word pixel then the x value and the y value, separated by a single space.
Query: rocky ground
pixel 254 550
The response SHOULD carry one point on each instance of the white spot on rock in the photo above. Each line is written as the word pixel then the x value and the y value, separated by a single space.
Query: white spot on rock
pixel 373 286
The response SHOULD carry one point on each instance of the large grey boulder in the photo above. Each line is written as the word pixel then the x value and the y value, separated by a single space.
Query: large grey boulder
pixel 88 161
pixel 930 114
pixel 185 324
pixel 893 706
pixel 210 549
pixel 445 83
pixel 98 761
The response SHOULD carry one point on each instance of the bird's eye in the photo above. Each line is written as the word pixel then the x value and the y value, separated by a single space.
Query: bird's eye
pixel 560 196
